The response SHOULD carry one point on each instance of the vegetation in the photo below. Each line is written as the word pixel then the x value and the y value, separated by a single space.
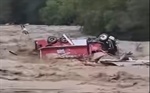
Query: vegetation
pixel 126 19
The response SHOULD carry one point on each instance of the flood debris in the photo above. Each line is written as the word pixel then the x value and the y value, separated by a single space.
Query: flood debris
pixel 127 85
pixel 13 53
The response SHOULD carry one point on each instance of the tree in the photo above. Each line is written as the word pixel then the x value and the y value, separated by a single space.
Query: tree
pixel 5 11
pixel 139 15
pixel 26 11
pixel 59 12
pixel 50 14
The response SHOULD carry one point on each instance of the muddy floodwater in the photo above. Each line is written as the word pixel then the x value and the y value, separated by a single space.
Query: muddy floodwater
pixel 26 73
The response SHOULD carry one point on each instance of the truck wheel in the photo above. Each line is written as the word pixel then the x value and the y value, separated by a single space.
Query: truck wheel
pixel 63 40
pixel 103 37
pixel 51 39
